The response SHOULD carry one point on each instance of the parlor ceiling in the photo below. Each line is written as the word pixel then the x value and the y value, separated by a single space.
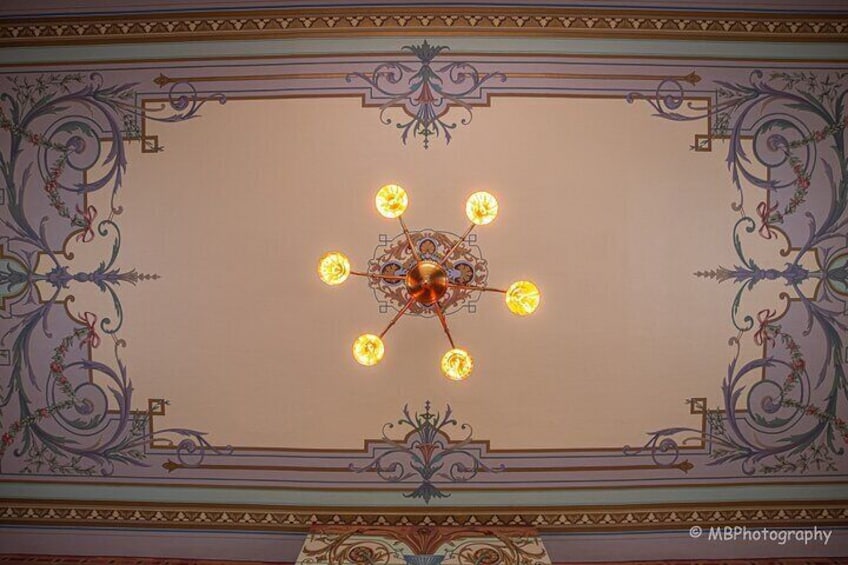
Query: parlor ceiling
pixel 671 177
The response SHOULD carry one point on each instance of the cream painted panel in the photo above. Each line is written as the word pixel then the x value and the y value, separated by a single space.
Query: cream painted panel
pixel 602 205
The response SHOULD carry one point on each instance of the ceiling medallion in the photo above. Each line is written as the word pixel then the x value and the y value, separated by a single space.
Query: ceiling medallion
pixel 429 279
pixel 393 256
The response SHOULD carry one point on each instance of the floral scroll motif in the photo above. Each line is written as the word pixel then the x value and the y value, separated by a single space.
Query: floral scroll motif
pixel 394 257
pixel 792 420
pixel 426 453
pixel 63 412
pixel 458 545
pixel 426 92
pixel 352 546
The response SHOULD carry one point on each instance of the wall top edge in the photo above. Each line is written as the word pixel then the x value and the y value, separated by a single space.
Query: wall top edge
pixel 363 500
pixel 213 517
pixel 354 21
pixel 63 8
pixel 17 59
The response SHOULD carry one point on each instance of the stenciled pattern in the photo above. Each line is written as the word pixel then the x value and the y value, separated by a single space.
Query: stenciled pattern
pixel 578 21
pixel 792 420
pixel 62 412
pixel 423 545
pixel 427 454
pixel 59 420
pixel 160 515
pixel 426 93
pixel 466 266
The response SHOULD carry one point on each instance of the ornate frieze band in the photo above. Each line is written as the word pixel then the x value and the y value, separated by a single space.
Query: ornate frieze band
pixel 572 519
pixel 430 20
pixel 88 560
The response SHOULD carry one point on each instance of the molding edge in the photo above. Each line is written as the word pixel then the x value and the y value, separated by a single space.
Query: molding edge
pixel 301 519
pixel 357 22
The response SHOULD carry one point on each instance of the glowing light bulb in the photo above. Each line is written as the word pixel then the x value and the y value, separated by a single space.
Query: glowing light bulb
pixel 391 200
pixel 334 268
pixel 368 350
pixel 457 364
pixel 481 208
pixel 522 298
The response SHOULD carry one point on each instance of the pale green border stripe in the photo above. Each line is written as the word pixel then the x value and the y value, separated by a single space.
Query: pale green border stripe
pixel 629 47
pixel 764 493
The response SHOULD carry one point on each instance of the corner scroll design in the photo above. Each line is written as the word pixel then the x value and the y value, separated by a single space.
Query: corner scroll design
pixel 793 419
pixel 428 453
pixel 428 94
pixel 62 412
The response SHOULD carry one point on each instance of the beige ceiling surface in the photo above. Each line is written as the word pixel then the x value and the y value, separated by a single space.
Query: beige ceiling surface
pixel 604 207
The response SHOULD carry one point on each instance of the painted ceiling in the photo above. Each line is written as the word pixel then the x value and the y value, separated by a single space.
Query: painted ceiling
pixel 673 181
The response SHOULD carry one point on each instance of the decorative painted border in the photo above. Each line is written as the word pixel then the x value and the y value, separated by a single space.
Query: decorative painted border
pixel 423 545
pixel 125 113
pixel 19 558
pixel 418 458
pixel 549 22
pixel 794 417
pixel 277 518
pixel 89 560
pixel 657 464
pixel 58 125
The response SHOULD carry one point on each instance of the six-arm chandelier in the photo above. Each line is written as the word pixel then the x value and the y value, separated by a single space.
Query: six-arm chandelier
pixel 427 281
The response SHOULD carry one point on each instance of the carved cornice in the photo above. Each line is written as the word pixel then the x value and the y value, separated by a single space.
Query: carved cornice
pixel 284 518
pixel 548 22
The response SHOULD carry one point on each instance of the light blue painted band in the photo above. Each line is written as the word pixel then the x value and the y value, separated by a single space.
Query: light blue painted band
pixel 324 46
pixel 547 498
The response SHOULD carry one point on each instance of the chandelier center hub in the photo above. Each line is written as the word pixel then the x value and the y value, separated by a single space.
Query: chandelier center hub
pixel 426 282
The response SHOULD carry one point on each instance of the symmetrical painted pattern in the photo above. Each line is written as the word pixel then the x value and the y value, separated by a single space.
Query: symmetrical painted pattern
pixel 318 22
pixel 426 91
pixel 275 518
pixel 790 424
pixel 427 453
pixel 423 545
pixel 393 257
pixel 793 420
pixel 56 419
pixel 74 560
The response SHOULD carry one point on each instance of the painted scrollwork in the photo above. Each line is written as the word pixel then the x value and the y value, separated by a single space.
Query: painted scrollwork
pixel 426 453
pixel 502 550
pixel 466 266
pixel 793 420
pixel 426 93
pixel 421 545
pixel 350 547
pixel 63 412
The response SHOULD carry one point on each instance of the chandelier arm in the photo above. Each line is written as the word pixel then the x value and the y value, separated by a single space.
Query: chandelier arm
pixel 440 313
pixel 409 239
pixel 457 244
pixel 378 276
pixel 474 287
pixel 397 316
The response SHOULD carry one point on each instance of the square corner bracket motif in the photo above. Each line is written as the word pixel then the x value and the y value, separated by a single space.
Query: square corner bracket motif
pixel 63 420
pixel 793 420
pixel 794 122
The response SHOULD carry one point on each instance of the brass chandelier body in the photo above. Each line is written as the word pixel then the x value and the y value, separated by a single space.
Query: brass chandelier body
pixel 427 281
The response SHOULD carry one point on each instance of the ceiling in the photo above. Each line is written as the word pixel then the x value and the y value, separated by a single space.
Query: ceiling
pixel 673 188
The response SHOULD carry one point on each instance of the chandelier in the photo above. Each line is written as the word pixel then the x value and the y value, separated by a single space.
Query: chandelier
pixel 427 281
